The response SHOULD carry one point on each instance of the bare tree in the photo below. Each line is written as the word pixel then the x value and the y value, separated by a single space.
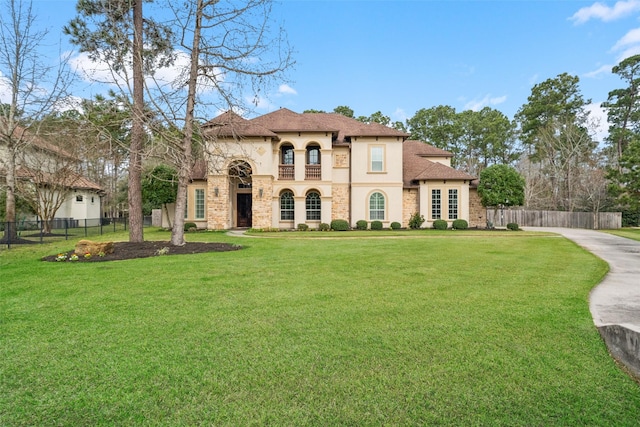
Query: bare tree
pixel 33 87
pixel 232 52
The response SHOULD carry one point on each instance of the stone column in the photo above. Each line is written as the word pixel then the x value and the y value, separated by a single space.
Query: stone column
pixel 218 206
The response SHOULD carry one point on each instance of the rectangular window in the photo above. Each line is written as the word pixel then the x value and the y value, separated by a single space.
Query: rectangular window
pixel 199 203
pixel 453 204
pixel 435 204
pixel 377 159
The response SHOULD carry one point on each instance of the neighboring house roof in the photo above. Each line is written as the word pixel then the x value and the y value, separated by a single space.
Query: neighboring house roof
pixel 415 167
pixel 69 179
pixel 20 134
pixel 284 120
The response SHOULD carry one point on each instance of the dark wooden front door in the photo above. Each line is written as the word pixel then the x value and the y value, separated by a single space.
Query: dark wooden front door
pixel 244 210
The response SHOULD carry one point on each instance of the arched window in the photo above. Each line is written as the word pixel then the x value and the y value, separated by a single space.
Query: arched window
pixel 313 155
pixel 286 154
pixel 286 206
pixel 313 206
pixel 376 207
pixel 286 167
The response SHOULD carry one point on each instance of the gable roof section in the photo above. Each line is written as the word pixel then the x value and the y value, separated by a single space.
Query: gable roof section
pixel 230 124
pixel 415 167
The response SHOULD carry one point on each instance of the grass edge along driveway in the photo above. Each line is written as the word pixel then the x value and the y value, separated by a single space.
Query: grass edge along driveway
pixel 453 329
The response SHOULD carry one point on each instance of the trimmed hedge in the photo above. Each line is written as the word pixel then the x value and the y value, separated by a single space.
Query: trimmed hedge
pixel 376 225
pixel 324 227
pixel 513 226
pixel 396 225
pixel 460 224
pixel 303 227
pixel 339 225
pixel 190 226
pixel 362 224
pixel 440 224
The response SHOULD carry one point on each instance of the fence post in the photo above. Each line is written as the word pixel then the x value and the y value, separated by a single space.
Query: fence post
pixel 66 229
pixel 85 227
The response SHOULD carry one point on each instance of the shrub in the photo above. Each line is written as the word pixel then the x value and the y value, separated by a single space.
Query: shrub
pixel 396 225
pixel 460 224
pixel 513 226
pixel 362 224
pixel 339 225
pixel 376 225
pixel 324 227
pixel 190 226
pixel 303 227
pixel 440 224
pixel 416 221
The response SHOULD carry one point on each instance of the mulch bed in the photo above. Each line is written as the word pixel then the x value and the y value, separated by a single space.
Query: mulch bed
pixel 132 250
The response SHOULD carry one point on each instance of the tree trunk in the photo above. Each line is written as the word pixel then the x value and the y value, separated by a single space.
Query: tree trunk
pixel 185 161
pixel 137 132
pixel 10 233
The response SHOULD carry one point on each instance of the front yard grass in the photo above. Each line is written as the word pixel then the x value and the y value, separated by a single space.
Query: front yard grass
pixel 462 330
pixel 629 233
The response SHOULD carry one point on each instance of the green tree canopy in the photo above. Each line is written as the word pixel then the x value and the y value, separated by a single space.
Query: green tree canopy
pixel 501 185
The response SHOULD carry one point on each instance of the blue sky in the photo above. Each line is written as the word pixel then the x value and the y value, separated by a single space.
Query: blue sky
pixel 400 56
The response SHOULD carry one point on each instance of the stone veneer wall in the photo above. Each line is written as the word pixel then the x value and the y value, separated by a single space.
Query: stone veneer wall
pixel 340 202
pixel 218 206
pixel 477 212
pixel 261 206
pixel 410 204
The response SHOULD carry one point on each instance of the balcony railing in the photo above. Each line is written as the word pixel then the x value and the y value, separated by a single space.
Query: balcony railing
pixel 286 172
pixel 313 172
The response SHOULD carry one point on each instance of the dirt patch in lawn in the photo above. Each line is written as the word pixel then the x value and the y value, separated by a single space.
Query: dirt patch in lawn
pixel 131 250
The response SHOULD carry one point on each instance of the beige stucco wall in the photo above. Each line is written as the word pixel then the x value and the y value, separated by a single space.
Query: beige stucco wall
pixel 444 186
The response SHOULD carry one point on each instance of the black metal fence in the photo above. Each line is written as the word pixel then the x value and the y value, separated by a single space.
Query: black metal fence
pixel 28 232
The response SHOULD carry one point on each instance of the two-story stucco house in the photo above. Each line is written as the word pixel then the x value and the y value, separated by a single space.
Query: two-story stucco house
pixel 284 168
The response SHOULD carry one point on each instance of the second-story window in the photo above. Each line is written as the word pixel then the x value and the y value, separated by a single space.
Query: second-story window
pixel 287 155
pixel 377 159
pixel 287 168
pixel 313 155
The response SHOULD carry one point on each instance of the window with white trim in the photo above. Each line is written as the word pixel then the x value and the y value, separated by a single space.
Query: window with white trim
pixel 313 206
pixel 453 203
pixel 376 207
pixel 199 203
pixel 435 204
pixel 287 206
pixel 377 159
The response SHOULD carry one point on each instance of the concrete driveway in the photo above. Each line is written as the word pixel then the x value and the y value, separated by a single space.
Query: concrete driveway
pixel 615 302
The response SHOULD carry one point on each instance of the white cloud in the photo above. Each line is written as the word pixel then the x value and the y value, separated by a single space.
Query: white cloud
pixel 631 38
pixel 599 121
pixel 599 72
pixel 488 100
pixel 287 90
pixel 5 90
pixel 399 115
pixel 605 13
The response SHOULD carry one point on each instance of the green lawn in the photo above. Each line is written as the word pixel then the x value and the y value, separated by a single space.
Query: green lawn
pixel 454 328
pixel 629 233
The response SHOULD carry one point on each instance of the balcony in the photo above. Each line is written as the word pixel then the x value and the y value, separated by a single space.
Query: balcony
pixel 313 172
pixel 286 172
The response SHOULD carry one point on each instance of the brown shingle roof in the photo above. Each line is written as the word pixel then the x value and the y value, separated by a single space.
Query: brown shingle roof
pixel 230 124
pixel 285 120
pixel 70 179
pixel 417 168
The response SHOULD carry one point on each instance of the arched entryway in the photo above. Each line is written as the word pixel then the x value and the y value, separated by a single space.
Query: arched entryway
pixel 240 183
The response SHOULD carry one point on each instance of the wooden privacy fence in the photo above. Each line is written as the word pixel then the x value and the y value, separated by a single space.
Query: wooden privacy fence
pixel 524 218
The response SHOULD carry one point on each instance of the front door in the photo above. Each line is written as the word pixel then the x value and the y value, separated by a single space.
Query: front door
pixel 244 210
